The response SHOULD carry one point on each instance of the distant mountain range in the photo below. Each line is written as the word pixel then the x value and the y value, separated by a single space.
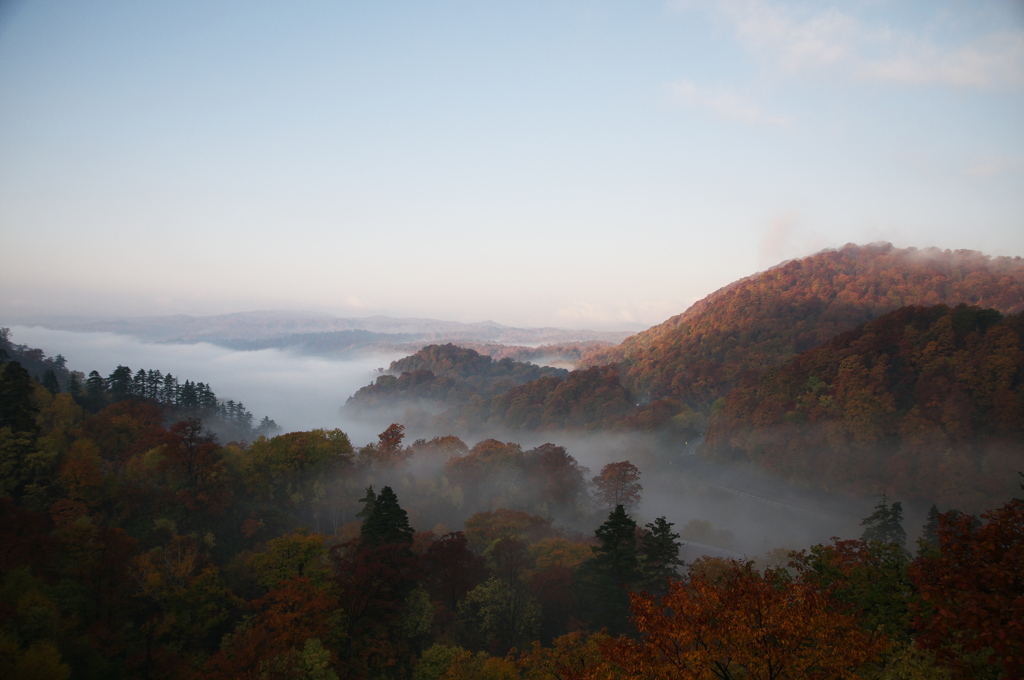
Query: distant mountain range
pixel 323 334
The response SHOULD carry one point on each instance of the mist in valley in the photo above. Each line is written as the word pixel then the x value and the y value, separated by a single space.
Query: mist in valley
pixel 720 510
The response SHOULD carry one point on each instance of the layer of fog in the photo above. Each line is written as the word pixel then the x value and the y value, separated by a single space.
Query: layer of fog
pixel 303 392
pixel 298 392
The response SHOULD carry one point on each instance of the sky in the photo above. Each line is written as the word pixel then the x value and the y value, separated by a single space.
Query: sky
pixel 583 164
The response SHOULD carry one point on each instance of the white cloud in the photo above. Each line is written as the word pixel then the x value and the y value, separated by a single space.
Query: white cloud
pixel 721 102
pixel 831 42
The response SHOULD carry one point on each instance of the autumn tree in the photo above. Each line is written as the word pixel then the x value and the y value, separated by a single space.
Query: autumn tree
pixel 618 484
pixel 745 625
pixel 451 569
pixel 972 590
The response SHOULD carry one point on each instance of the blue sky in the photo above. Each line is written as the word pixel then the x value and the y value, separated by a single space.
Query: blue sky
pixel 568 163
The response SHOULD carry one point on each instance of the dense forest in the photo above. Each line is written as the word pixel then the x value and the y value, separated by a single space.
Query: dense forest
pixel 928 401
pixel 135 547
pixel 179 399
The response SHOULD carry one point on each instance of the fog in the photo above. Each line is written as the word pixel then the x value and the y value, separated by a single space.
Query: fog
pixel 298 392
pixel 303 392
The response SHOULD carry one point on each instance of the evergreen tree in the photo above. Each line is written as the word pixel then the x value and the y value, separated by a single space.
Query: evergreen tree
pixel 169 395
pixel 154 383
pixel 885 524
pixel 95 390
pixel 74 384
pixel 17 410
pixel 119 383
pixel 49 381
pixel 614 568
pixel 929 540
pixel 139 383
pixel 386 522
pixel 659 557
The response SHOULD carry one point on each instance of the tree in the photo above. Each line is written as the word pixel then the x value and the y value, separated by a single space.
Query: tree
pixel 744 625
pixel 386 521
pixel 504 611
pixel 119 382
pixel 972 589
pixel 196 472
pixel 613 568
pixel 451 569
pixel 929 539
pixel 869 577
pixel 50 382
pixel 619 484
pixel 885 524
pixel 659 556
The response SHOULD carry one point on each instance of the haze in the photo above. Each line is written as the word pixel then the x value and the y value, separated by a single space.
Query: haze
pixel 577 164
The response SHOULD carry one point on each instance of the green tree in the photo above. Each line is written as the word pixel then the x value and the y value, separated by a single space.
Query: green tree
pixel 614 567
pixel 386 521
pixel 50 382
pixel 885 524
pixel 119 382
pixel 929 539
pixel 659 556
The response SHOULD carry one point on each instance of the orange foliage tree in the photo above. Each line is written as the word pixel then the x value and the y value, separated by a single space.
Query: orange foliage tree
pixel 619 484
pixel 744 625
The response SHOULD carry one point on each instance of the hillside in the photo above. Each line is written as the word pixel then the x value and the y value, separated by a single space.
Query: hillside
pixel 446 375
pixel 926 402
pixel 768 318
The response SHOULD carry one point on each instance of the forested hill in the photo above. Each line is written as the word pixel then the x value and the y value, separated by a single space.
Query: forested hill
pixel 447 375
pixel 768 318
pixel 927 402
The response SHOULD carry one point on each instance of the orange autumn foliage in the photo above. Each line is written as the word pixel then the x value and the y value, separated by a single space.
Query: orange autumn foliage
pixel 745 625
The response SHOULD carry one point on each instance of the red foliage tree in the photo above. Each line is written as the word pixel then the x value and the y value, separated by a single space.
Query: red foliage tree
pixel 973 588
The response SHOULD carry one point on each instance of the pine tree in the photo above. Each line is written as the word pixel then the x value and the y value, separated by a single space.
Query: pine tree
pixel 49 381
pixel 614 567
pixel 659 556
pixel 95 387
pixel 885 524
pixel 120 383
pixel 929 539
pixel 386 522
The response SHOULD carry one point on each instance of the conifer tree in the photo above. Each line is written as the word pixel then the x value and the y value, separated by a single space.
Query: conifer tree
pixel 49 381
pixel 614 567
pixel 659 556
pixel 929 540
pixel 386 522
pixel 885 524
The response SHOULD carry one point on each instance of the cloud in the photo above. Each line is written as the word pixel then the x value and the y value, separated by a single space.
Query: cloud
pixel 721 102
pixel 785 237
pixel 832 42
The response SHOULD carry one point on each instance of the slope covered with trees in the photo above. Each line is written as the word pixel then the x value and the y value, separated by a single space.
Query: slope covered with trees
pixel 133 549
pixel 447 375
pixel 925 401
pixel 768 318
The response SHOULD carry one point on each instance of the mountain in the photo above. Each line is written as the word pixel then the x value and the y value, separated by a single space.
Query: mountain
pixel 323 334
pixel 766 319
pixel 924 402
